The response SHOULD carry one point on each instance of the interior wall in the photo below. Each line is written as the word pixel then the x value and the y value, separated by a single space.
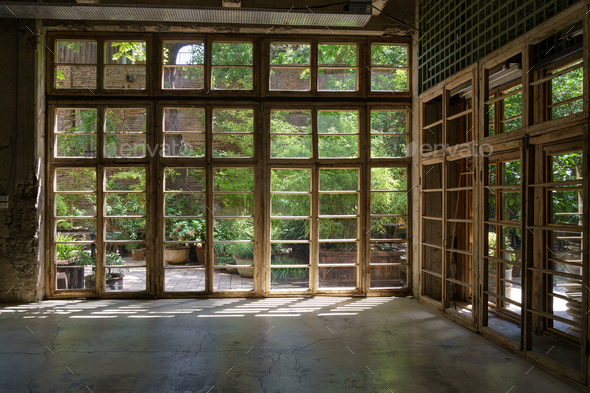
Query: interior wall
pixel 21 161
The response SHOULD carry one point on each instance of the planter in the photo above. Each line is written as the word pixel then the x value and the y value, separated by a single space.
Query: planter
pixel 113 283
pixel 244 271
pixel 178 255
pixel 200 250
pixel 337 274
pixel 69 278
pixel 138 254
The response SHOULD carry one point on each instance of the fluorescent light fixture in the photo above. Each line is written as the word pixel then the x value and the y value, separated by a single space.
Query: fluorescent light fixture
pixel 146 13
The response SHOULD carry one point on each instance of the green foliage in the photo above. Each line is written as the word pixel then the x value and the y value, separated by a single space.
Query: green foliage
pixel 231 77
pixel 566 87
pixel 65 251
pixel 128 53
pixel 242 250
pixel 389 55
pixel 284 54
pixel 184 231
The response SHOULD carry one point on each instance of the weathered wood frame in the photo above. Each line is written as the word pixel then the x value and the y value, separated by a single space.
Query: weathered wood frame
pixel 528 142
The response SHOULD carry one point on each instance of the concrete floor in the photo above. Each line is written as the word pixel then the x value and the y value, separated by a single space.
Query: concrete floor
pixel 268 345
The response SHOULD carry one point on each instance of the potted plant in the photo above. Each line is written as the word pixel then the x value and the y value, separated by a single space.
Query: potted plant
pixel 114 277
pixel 183 232
pixel 65 253
pixel 243 254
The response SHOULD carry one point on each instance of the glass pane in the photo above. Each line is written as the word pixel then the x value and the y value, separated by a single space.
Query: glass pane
pixel 290 205
pixel 337 277
pixel 566 207
pixel 130 72
pixel 338 228
pixel 389 55
pixel 125 253
pixel 392 252
pixel 75 205
pixel 289 279
pixel 240 280
pixel 233 229
pixel 338 204
pixel 231 78
pixel 338 253
pixel 233 205
pixel 72 254
pixel 338 179
pixel 132 179
pixel 183 65
pixel 75 145
pixel 125 228
pixel 128 280
pixel 75 77
pixel 290 122
pixel 389 203
pixel 389 179
pixel 492 169
pixel 567 166
pixel 337 79
pixel 291 76
pixel 125 52
pixel 338 146
pixel 124 77
pixel 566 246
pixel 289 254
pixel 395 122
pixel 184 280
pixel 285 53
pixel 184 179
pixel 75 230
pixel 127 121
pixel 511 173
pixel 511 239
pixel 394 228
pixel 290 79
pixel 232 121
pixel 281 229
pixel 233 179
pixel 76 52
pixel 432 204
pixel 75 130
pixel 338 122
pixel 190 254
pixel 75 179
pixel 513 104
pixel 388 146
pixel 184 204
pixel 566 87
pixel 182 230
pixel 125 204
pixel 510 206
pixel 293 180
pixel 383 79
pixel 236 146
pixel 290 146
pixel 392 276
pixel 336 55
pixel 388 276
pixel 226 53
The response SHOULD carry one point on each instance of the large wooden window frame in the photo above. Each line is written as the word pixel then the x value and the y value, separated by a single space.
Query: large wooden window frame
pixel 156 163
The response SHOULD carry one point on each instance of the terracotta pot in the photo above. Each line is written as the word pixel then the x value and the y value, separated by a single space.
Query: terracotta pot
pixel 138 254
pixel 176 255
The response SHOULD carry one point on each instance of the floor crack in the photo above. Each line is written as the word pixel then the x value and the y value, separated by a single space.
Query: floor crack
pixel 269 370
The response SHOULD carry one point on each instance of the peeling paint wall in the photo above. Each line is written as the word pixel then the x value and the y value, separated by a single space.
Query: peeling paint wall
pixel 21 162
